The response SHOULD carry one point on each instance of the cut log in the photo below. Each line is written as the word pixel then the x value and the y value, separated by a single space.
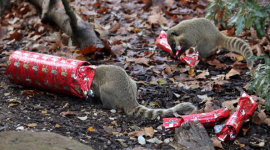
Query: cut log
pixel 192 136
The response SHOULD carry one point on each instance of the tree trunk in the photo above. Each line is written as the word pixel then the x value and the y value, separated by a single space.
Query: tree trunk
pixel 3 5
pixel 82 32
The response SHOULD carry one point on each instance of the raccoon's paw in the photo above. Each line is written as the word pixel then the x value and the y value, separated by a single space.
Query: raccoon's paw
pixel 183 109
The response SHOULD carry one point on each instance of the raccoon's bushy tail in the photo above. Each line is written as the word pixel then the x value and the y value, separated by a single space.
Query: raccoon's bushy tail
pixel 179 109
pixel 238 45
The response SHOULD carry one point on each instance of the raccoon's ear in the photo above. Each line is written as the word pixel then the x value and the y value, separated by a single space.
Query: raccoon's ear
pixel 174 33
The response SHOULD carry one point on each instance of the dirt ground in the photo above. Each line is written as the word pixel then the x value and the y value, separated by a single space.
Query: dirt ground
pixel 28 110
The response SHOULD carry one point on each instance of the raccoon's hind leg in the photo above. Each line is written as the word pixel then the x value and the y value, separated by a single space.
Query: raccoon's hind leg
pixel 108 96
pixel 206 48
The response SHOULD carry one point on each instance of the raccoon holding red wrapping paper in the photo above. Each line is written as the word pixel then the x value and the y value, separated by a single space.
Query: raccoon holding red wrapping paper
pixel 110 84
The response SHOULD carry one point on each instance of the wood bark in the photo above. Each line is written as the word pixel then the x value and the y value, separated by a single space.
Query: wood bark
pixel 82 32
pixel 192 136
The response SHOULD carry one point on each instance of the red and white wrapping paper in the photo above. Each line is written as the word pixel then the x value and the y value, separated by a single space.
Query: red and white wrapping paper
pixel 245 110
pixel 162 42
pixel 51 73
pixel 207 119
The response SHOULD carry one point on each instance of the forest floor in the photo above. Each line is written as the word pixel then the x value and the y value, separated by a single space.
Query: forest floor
pixel 132 28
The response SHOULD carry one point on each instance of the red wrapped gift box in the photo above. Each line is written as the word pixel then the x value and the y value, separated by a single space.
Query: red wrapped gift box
pixel 245 110
pixel 162 43
pixel 207 119
pixel 51 73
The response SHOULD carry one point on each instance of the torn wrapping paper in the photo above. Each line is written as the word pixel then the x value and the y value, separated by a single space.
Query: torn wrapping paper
pixel 50 73
pixel 245 110
pixel 207 119
pixel 162 43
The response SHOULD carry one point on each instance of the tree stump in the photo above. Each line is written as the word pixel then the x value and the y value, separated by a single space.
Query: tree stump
pixel 192 136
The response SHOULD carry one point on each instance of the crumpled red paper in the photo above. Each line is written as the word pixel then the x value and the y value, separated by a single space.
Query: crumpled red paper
pixel 207 119
pixel 189 59
pixel 245 110
pixel 50 73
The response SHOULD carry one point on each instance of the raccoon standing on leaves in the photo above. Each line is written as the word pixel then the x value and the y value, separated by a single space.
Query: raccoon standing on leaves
pixel 116 89
pixel 204 34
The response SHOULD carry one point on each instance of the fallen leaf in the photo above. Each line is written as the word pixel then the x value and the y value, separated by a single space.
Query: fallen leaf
pixel 234 56
pixel 51 94
pixel 140 133
pixel 229 104
pixel 13 101
pixel 32 125
pixel 16 35
pixel 114 27
pixel 181 77
pixel 114 123
pixel 231 73
pixel 204 98
pixel 258 117
pixel 44 111
pixel 91 129
pixel 117 50
pixel 108 129
pixel 202 75
pixel 102 10
pixel 161 82
pixel 139 60
pixel 228 32
pixel 258 99
pixel 239 65
pixel 142 82
pixel 115 133
pixel 58 126
pixel 239 144
pixel 267 121
pixel 12 104
pixel 149 131
pixel 156 17
pixel 168 70
pixel 89 49
pixel 85 11
pixel 67 113
pixel 191 72
pixel 245 130
pixel 217 87
pixel 216 142
pixel 218 64
pixel 208 106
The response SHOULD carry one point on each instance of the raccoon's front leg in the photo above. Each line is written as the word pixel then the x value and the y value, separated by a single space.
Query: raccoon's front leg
pixel 184 46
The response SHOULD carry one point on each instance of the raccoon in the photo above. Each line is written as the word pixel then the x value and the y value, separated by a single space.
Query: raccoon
pixel 116 90
pixel 203 33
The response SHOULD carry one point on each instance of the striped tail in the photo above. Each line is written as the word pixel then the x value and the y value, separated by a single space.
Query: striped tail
pixel 238 45
pixel 179 109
